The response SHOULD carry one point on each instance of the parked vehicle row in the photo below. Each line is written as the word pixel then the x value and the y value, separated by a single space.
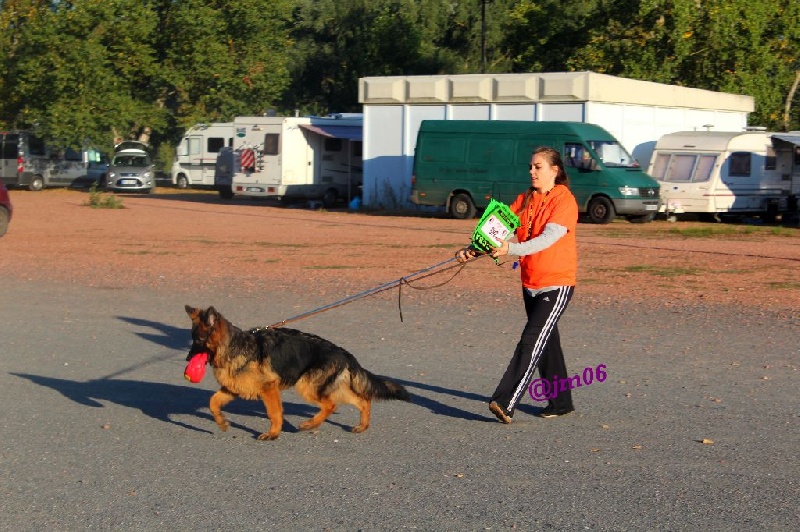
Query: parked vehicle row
pixel 27 161
pixel 314 158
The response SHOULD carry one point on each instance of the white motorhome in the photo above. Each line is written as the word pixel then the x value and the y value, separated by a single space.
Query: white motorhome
pixel 197 154
pixel 298 157
pixel 717 172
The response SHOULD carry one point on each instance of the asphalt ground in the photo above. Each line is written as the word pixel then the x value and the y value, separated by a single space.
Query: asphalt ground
pixel 695 426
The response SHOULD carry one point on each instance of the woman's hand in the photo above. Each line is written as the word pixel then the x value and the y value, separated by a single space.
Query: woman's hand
pixel 463 255
pixel 499 252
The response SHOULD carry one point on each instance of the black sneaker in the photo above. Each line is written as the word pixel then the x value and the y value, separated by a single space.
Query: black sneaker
pixel 502 414
pixel 551 411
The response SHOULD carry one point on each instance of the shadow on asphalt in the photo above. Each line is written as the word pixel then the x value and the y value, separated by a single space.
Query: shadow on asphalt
pixel 163 401
pixel 443 409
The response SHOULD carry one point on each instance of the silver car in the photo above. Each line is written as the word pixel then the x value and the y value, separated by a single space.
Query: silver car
pixel 132 168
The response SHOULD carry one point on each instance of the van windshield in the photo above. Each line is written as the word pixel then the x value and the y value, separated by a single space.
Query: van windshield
pixel 131 160
pixel 613 154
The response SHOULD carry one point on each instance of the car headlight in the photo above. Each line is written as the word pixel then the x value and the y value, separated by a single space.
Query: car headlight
pixel 112 175
pixel 147 175
pixel 629 191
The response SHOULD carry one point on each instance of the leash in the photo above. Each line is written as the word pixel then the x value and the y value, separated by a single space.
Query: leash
pixel 436 269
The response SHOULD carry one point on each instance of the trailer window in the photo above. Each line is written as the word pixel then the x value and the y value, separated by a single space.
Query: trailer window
pixel 704 167
pixel 660 166
pixel 271 143
pixel 332 144
pixel 739 164
pixel 771 162
pixel 358 147
pixel 680 168
pixel 194 145
pixel 214 144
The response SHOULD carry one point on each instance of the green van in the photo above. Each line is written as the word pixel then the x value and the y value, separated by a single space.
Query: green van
pixel 462 164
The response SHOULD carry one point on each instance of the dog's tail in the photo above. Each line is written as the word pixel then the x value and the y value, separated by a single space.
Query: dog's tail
pixel 371 386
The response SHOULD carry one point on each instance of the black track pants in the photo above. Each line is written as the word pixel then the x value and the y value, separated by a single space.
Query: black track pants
pixel 539 345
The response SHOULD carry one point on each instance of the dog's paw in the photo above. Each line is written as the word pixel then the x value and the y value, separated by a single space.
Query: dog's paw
pixel 359 428
pixel 268 436
pixel 307 425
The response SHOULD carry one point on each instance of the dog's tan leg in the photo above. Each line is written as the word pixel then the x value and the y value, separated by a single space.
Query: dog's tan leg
pixel 221 398
pixel 326 409
pixel 364 407
pixel 271 396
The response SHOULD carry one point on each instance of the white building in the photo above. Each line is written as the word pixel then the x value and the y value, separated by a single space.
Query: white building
pixel 636 112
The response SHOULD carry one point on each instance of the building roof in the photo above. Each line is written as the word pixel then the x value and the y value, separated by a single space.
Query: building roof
pixel 549 87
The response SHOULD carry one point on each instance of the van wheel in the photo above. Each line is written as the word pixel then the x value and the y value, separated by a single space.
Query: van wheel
pixel 601 210
pixel 462 207
pixel 36 184
pixel 329 198
pixel 182 182
pixel 643 219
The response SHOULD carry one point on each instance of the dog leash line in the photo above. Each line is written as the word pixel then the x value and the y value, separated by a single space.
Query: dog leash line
pixel 425 272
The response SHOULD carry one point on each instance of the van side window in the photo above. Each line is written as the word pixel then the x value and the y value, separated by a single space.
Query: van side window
pixel 11 147
pixel 36 146
pixel 271 142
pixel 739 164
pixel 214 144
pixel 577 156
pixel 72 155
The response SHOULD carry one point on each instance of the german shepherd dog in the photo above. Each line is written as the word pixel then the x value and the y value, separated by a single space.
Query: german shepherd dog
pixel 260 363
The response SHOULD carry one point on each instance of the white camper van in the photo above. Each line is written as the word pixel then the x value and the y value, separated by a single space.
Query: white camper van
pixel 717 172
pixel 197 154
pixel 298 157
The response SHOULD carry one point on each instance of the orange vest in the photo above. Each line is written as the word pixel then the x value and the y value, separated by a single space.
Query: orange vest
pixel 558 264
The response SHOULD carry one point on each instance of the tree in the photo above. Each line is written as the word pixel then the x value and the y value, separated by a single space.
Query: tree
pixel 733 46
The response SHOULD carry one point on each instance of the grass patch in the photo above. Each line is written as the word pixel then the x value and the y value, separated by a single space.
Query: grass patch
pixel 146 252
pixel 783 285
pixel 98 200
pixel 661 271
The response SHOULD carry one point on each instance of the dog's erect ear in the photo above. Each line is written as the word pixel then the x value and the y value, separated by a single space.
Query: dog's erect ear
pixel 192 312
pixel 212 316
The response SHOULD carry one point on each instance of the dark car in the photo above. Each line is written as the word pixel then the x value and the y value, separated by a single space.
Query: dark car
pixel 5 208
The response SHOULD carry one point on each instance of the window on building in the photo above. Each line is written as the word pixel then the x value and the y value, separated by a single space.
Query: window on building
pixel 739 164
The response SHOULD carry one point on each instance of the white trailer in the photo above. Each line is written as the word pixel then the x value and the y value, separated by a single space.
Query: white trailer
pixel 635 112
pixel 717 172
pixel 298 157
pixel 197 153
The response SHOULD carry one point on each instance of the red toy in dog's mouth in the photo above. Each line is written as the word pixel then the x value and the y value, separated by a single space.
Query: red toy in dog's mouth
pixel 196 368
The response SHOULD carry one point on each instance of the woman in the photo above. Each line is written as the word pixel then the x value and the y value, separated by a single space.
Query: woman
pixel 548 255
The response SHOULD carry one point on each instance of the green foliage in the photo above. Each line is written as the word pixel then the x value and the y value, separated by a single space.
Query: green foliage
pixel 97 200
pixel 97 71
pixel 735 46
